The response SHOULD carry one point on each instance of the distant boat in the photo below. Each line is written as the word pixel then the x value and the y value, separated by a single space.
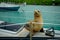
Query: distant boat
pixel 10 7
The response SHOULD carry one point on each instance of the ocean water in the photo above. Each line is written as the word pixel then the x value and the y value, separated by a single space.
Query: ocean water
pixel 50 14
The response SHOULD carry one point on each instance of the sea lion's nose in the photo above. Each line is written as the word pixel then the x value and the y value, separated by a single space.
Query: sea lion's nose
pixel 35 10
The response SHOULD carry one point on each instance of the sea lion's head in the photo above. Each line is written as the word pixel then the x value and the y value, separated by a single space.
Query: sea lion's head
pixel 37 13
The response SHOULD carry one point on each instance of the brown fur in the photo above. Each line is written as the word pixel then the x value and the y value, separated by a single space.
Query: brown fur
pixel 37 18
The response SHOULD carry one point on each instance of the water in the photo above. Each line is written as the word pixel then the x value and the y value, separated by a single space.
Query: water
pixel 51 14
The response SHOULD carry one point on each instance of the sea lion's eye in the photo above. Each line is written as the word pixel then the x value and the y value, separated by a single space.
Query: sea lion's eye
pixel 38 11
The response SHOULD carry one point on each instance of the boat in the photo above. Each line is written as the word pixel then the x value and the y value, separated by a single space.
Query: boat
pixel 12 28
pixel 10 7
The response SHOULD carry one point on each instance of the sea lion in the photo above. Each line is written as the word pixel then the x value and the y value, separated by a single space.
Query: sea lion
pixel 36 25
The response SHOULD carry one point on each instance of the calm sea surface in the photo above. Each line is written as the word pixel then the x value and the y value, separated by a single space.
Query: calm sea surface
pixel 51 14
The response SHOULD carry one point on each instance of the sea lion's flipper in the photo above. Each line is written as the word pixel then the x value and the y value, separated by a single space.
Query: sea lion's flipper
pixel 42 30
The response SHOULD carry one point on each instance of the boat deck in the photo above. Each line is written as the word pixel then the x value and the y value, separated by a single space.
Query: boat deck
pixel 24 33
